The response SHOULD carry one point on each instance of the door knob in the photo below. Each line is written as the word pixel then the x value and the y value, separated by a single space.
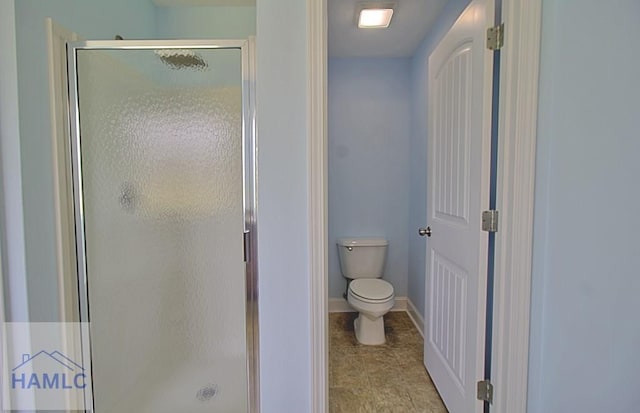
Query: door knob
pixel 425 231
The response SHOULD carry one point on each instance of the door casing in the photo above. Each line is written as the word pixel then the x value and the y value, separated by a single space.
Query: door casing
pixel 520 59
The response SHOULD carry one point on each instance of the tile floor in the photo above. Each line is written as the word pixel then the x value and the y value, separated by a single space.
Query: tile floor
pixel 379 379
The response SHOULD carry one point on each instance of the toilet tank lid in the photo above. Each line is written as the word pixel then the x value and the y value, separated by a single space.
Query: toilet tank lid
pixel 363 242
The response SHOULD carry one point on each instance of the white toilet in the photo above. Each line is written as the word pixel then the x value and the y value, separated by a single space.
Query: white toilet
pixel 362 262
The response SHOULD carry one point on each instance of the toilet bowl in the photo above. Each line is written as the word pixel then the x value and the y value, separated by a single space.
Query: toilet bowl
pixel 362 263
pixel 372 299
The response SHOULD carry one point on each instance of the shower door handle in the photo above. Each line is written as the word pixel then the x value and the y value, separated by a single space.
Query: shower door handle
pixel 246 244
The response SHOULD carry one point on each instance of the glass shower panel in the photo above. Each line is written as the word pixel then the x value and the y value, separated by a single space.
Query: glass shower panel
pixel 162 189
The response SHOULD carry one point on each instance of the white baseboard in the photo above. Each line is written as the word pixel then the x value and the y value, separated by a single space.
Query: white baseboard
pixel 416 317
pixel 340 305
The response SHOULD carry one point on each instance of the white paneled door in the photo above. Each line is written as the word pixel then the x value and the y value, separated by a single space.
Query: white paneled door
pixel 460 72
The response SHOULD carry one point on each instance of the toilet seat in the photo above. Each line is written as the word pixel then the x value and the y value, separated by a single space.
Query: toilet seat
pixel 371 290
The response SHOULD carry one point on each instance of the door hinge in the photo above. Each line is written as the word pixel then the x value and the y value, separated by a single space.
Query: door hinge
pixel 485 391
pixel 490 220
pixel 495 37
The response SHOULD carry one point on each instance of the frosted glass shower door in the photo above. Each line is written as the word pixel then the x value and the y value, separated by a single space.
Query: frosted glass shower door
pixel 163 199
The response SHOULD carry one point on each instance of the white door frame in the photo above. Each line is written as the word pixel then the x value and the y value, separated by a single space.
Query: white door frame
pixel 516 176
pixel 317 61
pixel 518 114
pixel 57 38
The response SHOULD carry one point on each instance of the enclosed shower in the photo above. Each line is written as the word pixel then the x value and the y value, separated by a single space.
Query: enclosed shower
pixel 163 166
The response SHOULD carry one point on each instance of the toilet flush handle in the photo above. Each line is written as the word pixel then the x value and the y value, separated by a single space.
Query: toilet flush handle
pixel 349 248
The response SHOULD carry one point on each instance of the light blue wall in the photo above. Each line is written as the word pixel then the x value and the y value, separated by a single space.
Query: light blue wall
pixel 92 19
pixel 283 233
pixel 585 331
pixel 418 158
pixel 206 22
pixel 369 132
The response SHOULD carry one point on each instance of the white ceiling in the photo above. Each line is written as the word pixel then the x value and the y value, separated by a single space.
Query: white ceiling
pixel 411 21
pixel 186 3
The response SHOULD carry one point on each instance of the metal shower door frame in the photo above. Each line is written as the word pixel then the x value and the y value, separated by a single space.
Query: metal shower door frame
pixel 247 49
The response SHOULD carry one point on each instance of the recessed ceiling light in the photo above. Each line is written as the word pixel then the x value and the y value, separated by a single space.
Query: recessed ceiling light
pixel 375 16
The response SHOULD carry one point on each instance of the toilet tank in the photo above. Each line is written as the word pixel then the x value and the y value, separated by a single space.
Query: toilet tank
pixel 362 257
